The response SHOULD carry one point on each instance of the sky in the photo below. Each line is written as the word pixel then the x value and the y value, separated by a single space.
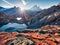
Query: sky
pixel 26 4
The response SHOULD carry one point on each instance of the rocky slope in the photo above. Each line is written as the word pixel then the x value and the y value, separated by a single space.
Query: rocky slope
pixel 50 16
pixel 5 19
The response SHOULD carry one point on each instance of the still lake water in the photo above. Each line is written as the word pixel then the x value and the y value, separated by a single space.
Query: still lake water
pixel 12 27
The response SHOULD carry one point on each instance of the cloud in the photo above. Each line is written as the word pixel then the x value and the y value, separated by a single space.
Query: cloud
pixel 24 2
pixel 11 5
pixel 7 2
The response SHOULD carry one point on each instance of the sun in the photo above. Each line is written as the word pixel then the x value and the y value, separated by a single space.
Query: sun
pixel 22 9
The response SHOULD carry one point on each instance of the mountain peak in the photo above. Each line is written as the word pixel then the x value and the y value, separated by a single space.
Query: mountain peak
pixel 16 7
pixel 1 7
pixel 35 7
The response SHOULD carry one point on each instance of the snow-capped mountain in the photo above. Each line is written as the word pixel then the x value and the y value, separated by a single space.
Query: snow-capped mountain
pixel 33 10
pixel 36 8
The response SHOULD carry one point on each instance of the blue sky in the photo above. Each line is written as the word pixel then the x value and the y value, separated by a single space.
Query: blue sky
pixel 28 3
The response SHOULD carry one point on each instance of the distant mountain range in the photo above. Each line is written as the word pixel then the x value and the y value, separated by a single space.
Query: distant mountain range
pixel 16 11
pixel 34 17
pixel 2 9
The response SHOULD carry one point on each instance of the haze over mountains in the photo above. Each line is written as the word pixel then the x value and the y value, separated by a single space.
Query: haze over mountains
pixel 33 18
pixel 17 10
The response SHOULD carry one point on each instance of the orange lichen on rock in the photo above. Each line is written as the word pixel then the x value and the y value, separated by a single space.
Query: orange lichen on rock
pixel 51 37
pixel 4 37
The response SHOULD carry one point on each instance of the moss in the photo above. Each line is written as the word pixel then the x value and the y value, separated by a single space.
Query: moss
pixel 42 32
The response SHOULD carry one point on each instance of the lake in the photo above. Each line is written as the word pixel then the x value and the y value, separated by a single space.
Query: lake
pixel 12 27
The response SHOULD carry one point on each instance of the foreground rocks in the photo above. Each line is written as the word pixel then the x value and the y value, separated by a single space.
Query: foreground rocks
pixel 20 41
pixel 47 35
